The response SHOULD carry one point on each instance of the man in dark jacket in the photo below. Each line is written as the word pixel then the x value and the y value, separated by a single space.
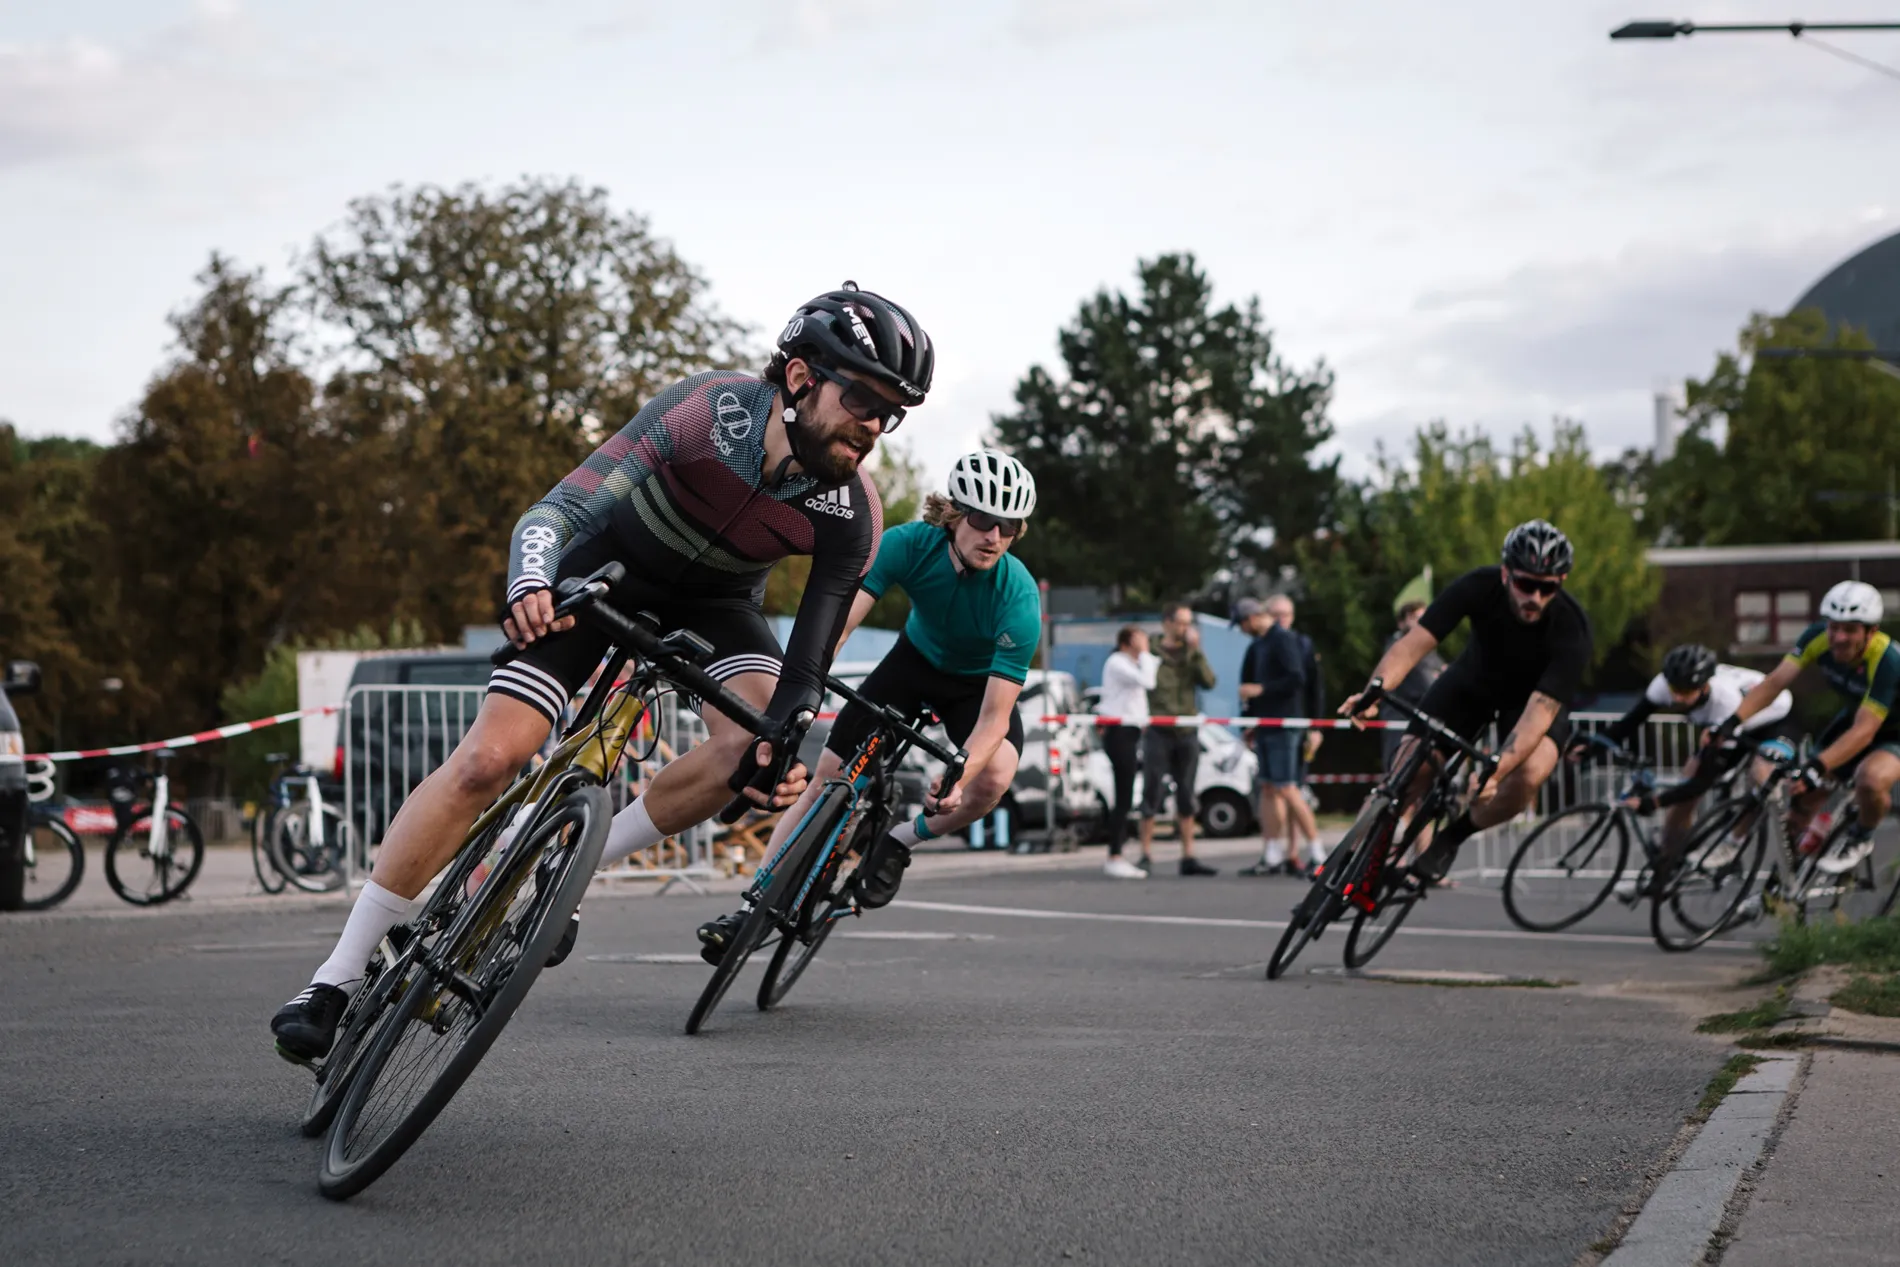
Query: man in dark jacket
pixel 1174 752
pixel 1274 685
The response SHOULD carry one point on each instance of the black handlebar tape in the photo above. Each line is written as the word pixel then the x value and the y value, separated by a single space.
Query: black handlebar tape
pixel 505 653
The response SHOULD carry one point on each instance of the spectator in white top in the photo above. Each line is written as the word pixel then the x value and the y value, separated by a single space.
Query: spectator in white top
pixel 1127 677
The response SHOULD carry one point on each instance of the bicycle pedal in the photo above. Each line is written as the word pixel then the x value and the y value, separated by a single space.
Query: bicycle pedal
pixel 313 1066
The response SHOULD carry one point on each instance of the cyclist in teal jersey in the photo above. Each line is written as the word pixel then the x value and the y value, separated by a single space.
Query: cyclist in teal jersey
pixel 1862 663
pixel 975 621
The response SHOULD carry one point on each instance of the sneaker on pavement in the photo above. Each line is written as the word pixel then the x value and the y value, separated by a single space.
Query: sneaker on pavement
pixel 1119 868
pixel 306 1026
pixel 1261 868
pixel 1847 855
pixel 716 936
pixel 884 874
pixel 1145 863
pixel 1194 866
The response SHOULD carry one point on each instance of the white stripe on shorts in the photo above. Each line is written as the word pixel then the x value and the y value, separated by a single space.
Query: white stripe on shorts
pixel 733 666
pixel 536 685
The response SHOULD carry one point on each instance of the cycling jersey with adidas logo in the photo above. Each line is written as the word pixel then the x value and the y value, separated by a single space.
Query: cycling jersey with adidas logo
pixel 965 623
pixel 679 493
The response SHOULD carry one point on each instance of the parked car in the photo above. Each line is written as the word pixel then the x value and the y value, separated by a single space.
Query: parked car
pixel 1223 783
pixel 397 735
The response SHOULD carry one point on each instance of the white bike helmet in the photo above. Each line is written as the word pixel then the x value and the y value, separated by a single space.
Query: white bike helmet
pixel 1853 600
pixel 994 483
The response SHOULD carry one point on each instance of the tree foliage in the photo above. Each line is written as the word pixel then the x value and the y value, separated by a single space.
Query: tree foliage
pixel 1180 417
pixel 1783 448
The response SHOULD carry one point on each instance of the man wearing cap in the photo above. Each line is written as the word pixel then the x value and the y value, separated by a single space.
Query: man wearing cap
pixel 1273 685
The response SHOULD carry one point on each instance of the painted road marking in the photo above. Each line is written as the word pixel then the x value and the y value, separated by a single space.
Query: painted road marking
pixel 898 935
pixel 1276 925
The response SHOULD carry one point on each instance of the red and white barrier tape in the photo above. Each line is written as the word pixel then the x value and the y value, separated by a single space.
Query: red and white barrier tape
pixel 184 741
pixel 1239 723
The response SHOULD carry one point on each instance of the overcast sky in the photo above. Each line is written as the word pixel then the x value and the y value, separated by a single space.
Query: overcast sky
pixel 1482 211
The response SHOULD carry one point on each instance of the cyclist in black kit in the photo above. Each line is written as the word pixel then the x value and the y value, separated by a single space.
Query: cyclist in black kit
pixel 1530 644
pixel 715 480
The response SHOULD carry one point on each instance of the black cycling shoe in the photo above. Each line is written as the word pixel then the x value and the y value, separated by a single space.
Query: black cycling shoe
pixel 566 945
pixel 884 874
pixel 717 935
pixel 306 1026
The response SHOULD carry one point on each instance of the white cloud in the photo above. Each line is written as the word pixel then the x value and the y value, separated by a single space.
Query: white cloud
pixel 1052 21
pixel 204 77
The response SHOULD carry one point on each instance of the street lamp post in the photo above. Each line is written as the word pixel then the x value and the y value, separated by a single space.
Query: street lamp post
pixel 1652 30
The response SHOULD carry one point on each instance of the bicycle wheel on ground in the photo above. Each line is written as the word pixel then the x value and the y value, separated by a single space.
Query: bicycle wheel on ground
pixel 773 911
pixel 312 867
pixel 1325 899
pixel 452 1001
pixel 270 877
pixel 1718 870
pixel 145 878
pixel 55 861
pixel 359 1021
pixel 1566 868
pixel 1371 930
pixel 821 911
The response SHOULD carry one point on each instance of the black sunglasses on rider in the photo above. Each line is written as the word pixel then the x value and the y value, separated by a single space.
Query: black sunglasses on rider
pixel 983 521
pixel 861 400
pixel 1531 585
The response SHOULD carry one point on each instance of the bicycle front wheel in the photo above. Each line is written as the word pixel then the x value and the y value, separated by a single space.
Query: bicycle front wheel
pixel 145 876
pixel 823 909
pixel 1566 868
pixel 55 861
pixel 773 910
pixel 270 876
pixel 1326 897
pixel 453 1001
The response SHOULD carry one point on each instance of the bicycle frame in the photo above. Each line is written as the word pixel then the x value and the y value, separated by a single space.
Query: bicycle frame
pixel 158 842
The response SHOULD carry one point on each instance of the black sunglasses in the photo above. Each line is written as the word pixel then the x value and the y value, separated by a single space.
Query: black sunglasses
pixel 983 521
pixel 1531 585
pixel 861 400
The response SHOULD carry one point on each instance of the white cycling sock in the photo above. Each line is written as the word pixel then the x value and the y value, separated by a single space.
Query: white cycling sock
pixel 377 910
pixel 631 831
pixel 909 834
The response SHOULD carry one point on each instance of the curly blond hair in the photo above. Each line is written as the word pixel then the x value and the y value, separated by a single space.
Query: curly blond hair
pixel 941 512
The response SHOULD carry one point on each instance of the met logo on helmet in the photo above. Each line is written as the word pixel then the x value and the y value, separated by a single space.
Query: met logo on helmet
pixel 836 502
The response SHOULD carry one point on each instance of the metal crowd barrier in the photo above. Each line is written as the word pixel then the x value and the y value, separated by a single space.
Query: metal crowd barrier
pixel 1668 740
pixel 393 737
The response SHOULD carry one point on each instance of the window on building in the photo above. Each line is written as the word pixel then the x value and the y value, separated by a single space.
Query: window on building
pixel 1770 617
pixel 1890 603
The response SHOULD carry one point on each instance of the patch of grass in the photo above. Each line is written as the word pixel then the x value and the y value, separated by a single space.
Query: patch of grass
pixel 1762 1040
pixel 1870 996
pixel 1873 944
pixel 1761 1016
pixel 1733 1070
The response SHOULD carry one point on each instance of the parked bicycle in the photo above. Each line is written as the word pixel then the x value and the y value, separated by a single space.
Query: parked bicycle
pixel 55 858
pixel 302 837
pixel 156 851
pixel 796 896
pixel 445 985
pixel 1575 859
pixel 1362 875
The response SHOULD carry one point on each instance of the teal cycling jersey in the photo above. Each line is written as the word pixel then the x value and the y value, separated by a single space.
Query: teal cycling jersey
pixel 966 623
pixel 1872 680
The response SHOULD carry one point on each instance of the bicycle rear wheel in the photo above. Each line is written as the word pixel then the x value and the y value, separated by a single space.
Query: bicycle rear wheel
pixel 453 1001
pixel 1325 899
pixel 821 912
pixel 270 876
pixel 773 910
pixel 311 867
pixel 144 880
pixel 55 861
pixel 1371 930
pixel 1718 870
pixel 1566 868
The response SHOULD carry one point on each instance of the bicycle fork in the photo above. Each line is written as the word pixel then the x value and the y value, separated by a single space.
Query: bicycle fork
pixel 158 844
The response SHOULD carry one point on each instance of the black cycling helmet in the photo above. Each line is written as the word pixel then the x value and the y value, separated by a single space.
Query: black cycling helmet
pixel 1688 667
pixel 854 329
pixel 1538 548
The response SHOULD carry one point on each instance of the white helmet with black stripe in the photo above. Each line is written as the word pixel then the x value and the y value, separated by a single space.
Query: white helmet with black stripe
pixel 994 483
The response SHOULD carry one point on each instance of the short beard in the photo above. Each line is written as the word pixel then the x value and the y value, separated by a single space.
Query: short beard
pixel 823 463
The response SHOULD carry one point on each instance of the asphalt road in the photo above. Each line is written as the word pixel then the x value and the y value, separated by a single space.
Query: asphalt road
pixel 974 1075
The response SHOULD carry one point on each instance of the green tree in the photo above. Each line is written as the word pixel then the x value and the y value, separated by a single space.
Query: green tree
pixel 495 338
pixel 1182 418
pixel 1784 448
pixel 1450 507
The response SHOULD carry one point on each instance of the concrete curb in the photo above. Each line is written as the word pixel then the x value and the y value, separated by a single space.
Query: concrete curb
pixel 1688 1206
